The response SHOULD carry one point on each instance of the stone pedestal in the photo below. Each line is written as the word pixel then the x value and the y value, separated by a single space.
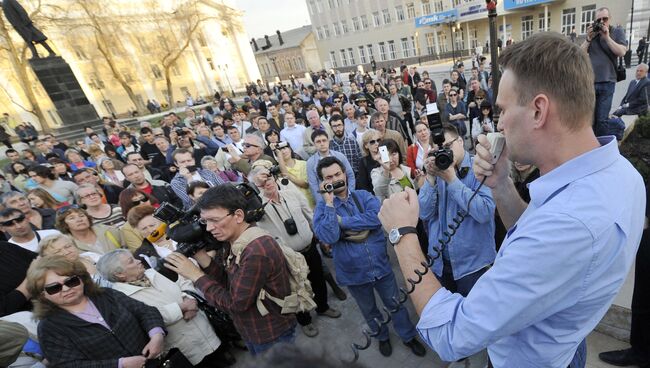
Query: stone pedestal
pixel 64 90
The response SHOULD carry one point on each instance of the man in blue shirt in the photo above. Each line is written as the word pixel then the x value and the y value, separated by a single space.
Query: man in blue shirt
pixel 322 143
pixel 443 194
pixel 568 252
pixel 347 219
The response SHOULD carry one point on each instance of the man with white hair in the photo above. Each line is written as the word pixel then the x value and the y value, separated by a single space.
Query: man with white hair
pixel 315 124
pixel 253 151
pixel 635 101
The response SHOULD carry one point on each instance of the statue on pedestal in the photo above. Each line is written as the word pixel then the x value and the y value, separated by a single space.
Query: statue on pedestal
pixel 19 19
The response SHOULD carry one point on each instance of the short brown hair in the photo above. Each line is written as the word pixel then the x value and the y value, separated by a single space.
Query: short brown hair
pixel 549 63
pixel 63 267
pixel 139 212
pixel 63 214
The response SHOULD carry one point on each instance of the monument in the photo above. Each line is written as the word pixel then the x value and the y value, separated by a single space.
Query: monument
pixel 53 72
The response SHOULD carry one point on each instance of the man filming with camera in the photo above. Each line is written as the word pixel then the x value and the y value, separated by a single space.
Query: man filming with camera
pixel 232 282
pixel 604 44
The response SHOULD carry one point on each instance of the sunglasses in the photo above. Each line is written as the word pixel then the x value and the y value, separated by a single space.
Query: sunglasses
pixel 337 101
pixel 136 202
pixel 603 19
pixel 427 82
pixel 375 141
pixel 248 145
pixel 65 209
pixel 12 222
pixel 55 288
pixel 453 94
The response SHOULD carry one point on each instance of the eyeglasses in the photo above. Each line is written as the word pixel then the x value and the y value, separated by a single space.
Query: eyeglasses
pixel 90 195
pixel 248 145
pixel 14 221
pixel 204 221
pixel 479 98
pixel 375 141
pixel 55 288
pixel 453 94
pixel 337 101
pixel 136 202
pixel 65 209
pixel 448 145
pixel 603 19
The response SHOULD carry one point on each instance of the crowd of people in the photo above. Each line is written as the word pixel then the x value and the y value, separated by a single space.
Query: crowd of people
pixel 80 276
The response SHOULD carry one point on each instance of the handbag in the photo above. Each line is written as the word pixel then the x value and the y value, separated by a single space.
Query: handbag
pixel 220 321
pixel 620 71
pixel 173 359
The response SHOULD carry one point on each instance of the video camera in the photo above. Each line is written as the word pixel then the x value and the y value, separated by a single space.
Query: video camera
pixel 444 157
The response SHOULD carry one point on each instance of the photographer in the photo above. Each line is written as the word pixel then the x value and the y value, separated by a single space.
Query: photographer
pixel 233 283
pixel 188 172
pixel 289 216
pixel 347 219
pixel 604 44
pixel 567 252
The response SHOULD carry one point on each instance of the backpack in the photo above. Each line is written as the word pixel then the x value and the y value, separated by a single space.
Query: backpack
pixel 301 297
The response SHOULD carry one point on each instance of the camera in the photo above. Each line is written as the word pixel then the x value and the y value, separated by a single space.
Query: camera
pixel 290 226
pixel 330 187
pixel 597 26
pixel 275 172
pixel 180 132
pixel 444 157
pixel 281 145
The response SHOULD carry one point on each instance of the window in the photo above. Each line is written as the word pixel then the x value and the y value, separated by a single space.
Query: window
pixel 344 26
pixel 175 70
pixel 442 42
pixel 79 51
pixel 331 4
pixel 382 52
pixel 156 71
pixel 201 39
pixel 355 24
pixel 386 15
pixel 376 21
pixel 128 78
pixel 362 55
pixel 431 43
pixel 542 24
pixel 459 39
pixel 370 51
pixel 455 3
pixel 144 47
pixel 312 7
pixel 405 47
pixel 344 57
pixel 438 5
pixel 337 29
pixel 391 49
pixel 333 59
pixel 351 56
pixel 526 26
pixel 587 17
pixel 301 63
pixel 426 7
pixel 473 38
pixel 399 13
pixel 413 49
pixel 364 22
pixel 96 81
pixel 319 33
pixel 326 30
pixel 568 20
pixel 410 10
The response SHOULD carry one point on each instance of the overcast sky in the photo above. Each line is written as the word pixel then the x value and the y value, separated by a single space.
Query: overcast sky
pixel 266 16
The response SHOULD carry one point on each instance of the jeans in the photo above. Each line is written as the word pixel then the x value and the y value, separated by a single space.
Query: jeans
pixel 256 349
pixel 317 280
pixel 604 97
pixel 461 286
pixel 640 329
pixel 386 287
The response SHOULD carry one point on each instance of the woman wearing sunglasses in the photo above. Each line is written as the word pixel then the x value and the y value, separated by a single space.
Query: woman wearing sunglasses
pixel 370 160
pixel 129 198
pixel 77 223
pixel 84 325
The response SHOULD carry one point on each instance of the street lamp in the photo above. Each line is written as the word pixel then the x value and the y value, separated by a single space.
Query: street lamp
pixel 275 66
pixel 494 68
pixel 224 69
pixel 452 29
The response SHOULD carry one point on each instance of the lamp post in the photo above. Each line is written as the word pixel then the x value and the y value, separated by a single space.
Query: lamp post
pixel 224 69
pixel 494 52
pixel 275 66
pixel 452 29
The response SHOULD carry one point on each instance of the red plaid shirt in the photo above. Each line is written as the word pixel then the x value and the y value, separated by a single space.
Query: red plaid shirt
pixel 262 265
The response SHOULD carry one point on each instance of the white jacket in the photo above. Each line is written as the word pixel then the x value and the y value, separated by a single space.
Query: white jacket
pixel 385 187
pixel 194 338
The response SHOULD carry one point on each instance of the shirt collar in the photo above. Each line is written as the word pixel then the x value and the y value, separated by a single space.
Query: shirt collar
pixel 587 163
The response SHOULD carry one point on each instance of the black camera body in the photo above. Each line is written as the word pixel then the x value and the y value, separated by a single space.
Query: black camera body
pixel 290 226
pixel 444 157
pixel 330 187
pixel 597 26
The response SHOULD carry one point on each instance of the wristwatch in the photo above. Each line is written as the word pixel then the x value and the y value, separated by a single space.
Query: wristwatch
pixel 395 235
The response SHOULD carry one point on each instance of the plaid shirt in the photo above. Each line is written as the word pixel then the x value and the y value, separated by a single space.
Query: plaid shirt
pixel 262 265
pixel 350 148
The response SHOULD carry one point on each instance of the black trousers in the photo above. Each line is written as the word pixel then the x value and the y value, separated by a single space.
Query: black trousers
pixel 640 329
pixel 317 281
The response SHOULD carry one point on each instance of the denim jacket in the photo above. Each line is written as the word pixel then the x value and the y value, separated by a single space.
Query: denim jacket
pixel 472 247
pixel 355 263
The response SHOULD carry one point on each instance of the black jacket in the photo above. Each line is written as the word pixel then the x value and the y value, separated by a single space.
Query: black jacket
pixel 112 193
pixel 68 341
pixel 49 216
pixel 14 262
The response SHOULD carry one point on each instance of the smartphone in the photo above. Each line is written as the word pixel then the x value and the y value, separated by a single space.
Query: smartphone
pixel 383 152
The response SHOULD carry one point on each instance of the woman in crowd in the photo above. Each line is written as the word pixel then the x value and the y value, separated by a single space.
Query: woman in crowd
pixel 61 190
pixel 296 171
pixel 188 329
pixel 101 213
pixel 20 175
pixel 370 160
pixel 210 163
pixel 397 103
pixel 456 111
pixel 30 156
pixel 62 245
pixel 109 172
pixel 391 177
pixel 76 161
pixel 76 222
pixel 418 151
pixel 82 325
pixel 272 137
pixel 483 124
pixel 129 198
pixel 155 243
pixel 196 189
pixel 42 199
pixel 60 169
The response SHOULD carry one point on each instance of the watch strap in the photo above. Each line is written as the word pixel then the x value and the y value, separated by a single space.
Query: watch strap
pixel 407 230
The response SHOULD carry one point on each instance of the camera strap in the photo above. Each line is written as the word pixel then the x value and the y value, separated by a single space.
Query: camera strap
pixel 356 202
pixel 286 205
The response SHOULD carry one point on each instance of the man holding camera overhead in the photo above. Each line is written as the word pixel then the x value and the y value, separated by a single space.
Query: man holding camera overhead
pixel 604 44
pixel 187 173
pixel 289 217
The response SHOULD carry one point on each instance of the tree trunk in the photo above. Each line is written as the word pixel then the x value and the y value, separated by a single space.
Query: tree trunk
pixel 170 91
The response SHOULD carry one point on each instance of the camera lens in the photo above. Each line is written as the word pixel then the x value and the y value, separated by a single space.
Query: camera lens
pixel 443 161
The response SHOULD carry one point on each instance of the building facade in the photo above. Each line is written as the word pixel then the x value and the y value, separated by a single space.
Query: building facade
pixel 293 52
pixel 124 53
pixel 352 32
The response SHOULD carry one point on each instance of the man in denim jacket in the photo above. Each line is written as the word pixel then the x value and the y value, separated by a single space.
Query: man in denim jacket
pixel 347 220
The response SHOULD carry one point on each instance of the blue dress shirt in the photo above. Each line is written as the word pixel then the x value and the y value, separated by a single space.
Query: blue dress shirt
pixel 557 272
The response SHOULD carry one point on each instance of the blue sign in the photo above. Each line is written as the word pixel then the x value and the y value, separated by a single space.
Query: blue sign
pixel 516 4
pixel 436 18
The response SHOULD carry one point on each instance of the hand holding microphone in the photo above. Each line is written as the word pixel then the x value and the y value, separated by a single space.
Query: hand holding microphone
pixel 491 159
